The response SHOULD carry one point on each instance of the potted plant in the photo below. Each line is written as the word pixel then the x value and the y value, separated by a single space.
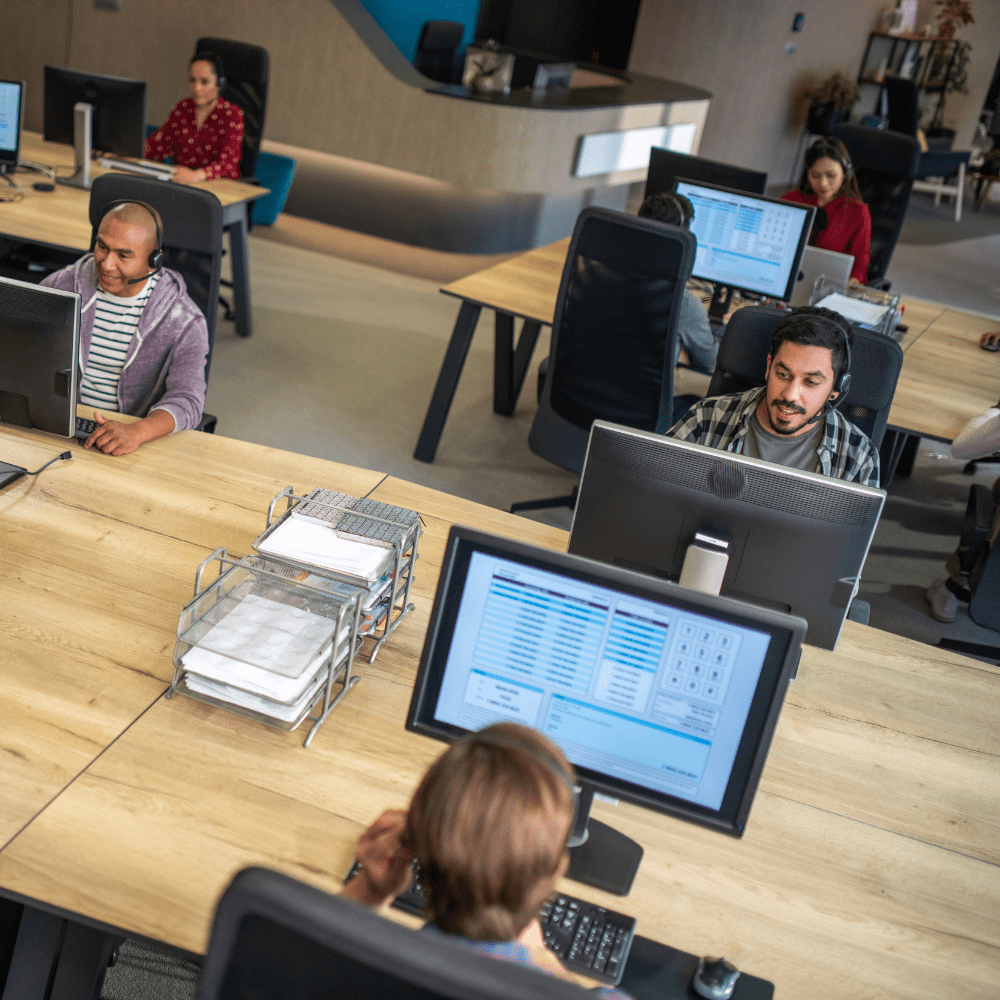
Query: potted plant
pixel 951 74
pixel 830 102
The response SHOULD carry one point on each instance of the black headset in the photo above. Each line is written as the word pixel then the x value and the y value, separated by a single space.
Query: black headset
pixel 211 57
pixel 831 151
pixel 156 259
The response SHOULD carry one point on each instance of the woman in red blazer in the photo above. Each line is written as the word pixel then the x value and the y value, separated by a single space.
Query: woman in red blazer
pixel 828 182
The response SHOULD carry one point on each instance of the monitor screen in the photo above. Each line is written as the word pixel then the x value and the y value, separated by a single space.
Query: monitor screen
pixel 666 165
pixel 119 116
pixel 39 345
pixel 11 104
pixel 656 694
pixel 747 241
pixel 797 540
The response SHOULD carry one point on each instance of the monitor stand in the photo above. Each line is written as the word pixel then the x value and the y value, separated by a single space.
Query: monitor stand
pixel 83 120
pixel 598 854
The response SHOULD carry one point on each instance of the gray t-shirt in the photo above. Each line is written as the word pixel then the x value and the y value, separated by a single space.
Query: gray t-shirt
pixel 794 452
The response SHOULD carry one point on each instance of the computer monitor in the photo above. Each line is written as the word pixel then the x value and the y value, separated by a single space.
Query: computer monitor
pixel 39 348
pixel 11 111
pixel 665 166
pixel 658 695
pixel 797 540
pixel 746 241
pixel 115 108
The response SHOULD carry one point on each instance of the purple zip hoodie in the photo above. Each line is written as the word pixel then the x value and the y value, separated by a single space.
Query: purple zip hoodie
pixel 165 363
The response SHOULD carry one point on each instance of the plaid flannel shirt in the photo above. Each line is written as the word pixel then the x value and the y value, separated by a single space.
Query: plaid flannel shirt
pixel 721 422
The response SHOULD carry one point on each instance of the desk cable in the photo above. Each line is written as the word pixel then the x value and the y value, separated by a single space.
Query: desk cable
pixel 58 458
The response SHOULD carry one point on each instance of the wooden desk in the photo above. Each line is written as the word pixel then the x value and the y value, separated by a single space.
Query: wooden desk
pixel 929 401
pixel 60 218
pixel 869 865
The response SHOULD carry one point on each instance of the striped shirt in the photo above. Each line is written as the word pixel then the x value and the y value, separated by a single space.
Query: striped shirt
pixel 721 422
pixel 115 323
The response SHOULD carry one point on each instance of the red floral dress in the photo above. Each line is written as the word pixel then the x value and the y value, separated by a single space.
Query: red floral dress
pixel 216 147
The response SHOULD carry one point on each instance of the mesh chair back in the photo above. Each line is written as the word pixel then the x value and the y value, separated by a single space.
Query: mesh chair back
pixel 435 56
pixel 886 164
pixel 274 937
pixel 192 233
pixel 876 361
pixel 614 332
pixel 248 69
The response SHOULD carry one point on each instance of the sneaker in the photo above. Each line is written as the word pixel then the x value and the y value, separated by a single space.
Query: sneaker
pixel 944 604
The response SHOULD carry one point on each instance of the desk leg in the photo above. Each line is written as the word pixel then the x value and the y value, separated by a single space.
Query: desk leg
pixel 444 390
pixel 236 226
pixel 510 363
pixel 897 454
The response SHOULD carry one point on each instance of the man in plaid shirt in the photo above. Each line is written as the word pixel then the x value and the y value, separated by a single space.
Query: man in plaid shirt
pixel 791 420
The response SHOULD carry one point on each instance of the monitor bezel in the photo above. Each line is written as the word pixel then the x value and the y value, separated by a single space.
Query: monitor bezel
pixel 74 368
pixel 7 160
pixel 793 272
pixel 659 164
pixel 78 77
pixel 779 667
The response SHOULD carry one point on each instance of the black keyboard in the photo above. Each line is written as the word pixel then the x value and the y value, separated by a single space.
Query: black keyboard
pixel 586 938
pixel 84 428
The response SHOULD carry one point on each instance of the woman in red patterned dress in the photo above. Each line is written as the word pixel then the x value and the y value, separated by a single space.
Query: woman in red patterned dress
pixel 204 133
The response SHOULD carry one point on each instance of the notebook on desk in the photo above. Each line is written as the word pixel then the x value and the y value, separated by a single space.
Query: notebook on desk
pixel 143 168
pixel 815 262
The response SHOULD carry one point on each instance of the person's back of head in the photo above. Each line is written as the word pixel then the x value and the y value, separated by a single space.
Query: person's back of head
pixel 815 326
pixel 671 208
pixel 488 826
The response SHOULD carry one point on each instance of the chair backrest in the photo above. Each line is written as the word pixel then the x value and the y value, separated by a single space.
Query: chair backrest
pixel 435 56
pixel 614 332
pixel 903 106
pixel 876 361
pixel 274 937
pixel 984 606
pixel 886 164
pixel 192 233
pixel 248 68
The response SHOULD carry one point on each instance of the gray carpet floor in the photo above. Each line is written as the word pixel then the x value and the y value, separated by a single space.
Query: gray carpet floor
pixel 343 361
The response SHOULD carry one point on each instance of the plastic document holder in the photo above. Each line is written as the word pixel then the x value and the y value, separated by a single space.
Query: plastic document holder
pixel 867 307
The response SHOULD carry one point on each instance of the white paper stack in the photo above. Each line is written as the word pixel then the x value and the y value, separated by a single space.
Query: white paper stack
pixel 306 540
pixel 855 310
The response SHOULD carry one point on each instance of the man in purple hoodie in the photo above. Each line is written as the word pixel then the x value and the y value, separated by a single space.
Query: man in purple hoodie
pixel 143 342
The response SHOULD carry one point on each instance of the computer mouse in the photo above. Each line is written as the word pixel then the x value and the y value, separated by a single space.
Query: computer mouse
pixel 991 345
pixel 715 978
pixel 43 186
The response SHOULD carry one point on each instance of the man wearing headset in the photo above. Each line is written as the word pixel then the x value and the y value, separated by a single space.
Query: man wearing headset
pixel 143 342
pixel 792 420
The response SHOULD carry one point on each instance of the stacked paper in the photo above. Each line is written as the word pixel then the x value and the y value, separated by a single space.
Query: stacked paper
pixel 306 540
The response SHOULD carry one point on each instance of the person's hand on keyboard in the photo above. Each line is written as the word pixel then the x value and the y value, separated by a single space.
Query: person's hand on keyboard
pixel 114 438
pixel 534 940
pixel 386 865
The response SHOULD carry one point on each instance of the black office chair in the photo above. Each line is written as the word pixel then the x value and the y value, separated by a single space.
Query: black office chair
pixel 274 937
pixel 984 597
pixel 886 164
pixel 903 107
pixel 876 361
pixel 248 69
pixel 613 335
pixel 192 239
pixel 435 56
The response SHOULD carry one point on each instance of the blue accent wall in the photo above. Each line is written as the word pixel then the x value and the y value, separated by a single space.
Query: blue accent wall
pixel 402 20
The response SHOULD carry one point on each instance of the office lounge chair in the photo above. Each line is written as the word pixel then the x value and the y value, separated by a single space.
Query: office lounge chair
pixel 886 164
pixel 435 55
pixel 613 336
pixel 274 937
pixel 984 598
pixel 943 164
pixel 192 239
pixel 876 361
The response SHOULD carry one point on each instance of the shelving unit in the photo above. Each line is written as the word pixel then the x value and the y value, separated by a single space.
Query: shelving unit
pixel 937 54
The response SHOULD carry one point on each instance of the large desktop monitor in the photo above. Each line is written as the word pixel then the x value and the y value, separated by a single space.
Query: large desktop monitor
pixel 797 541
pixel 658 695
pixel 39 348
pixel 11 111
pixel 118 115
pixel 665 166
pixel 746 241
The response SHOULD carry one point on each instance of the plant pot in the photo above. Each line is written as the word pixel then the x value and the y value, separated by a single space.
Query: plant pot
pixel 823 119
